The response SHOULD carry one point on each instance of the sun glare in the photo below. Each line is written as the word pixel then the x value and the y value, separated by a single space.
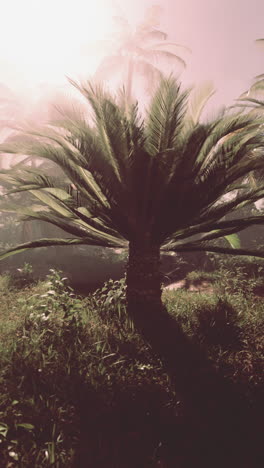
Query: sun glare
pixel 42 40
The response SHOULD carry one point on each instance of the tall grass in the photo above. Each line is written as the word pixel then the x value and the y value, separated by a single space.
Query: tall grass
pixel 80 388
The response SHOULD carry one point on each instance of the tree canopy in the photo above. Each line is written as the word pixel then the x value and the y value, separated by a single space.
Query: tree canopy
pixel 167 178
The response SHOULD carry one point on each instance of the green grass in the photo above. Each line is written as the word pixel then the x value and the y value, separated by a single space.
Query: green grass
pixel 79 387
pixel 198 276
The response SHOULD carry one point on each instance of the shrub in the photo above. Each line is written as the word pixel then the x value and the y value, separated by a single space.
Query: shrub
pixel 71 373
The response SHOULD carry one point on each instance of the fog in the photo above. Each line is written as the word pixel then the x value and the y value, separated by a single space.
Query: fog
pixel 43 43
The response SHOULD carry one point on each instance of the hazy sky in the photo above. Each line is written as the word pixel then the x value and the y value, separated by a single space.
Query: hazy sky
pixel 221 35
pixel 41 41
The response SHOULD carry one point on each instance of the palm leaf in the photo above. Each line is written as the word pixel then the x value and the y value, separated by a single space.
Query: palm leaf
pixel 172 47
pixel 236 225
pixel 199 97
pixel 216 249
pixel 151 36
pixel 165 116
pixel 54 242
pixel 157 56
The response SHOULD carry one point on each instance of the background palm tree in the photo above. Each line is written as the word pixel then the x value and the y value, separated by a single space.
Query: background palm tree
pixel 252 101
pixel 163 183
pixel 253 98
pixel 141 51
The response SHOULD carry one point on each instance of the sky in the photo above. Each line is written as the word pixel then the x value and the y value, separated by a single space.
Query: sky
pixel 42 41
pixel 221 36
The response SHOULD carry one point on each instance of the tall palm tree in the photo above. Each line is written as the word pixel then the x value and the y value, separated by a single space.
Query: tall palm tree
pixel 163 183
pixel 140 51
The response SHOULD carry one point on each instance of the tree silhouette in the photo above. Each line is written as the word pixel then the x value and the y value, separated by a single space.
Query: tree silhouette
pixel 141 51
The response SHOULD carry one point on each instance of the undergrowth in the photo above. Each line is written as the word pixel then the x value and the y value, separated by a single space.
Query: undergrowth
pixel 80 387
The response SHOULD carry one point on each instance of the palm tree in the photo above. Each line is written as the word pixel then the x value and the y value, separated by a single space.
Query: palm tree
pixel 140 51
pixel 253 98
pixel 252 101
pixel 165 183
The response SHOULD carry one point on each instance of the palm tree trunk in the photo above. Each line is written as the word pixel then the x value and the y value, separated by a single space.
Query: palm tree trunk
pixel 149 315
pixel 143 282
pixel 145 307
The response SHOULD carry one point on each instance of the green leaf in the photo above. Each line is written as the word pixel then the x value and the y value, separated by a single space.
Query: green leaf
pixel 40 243
pixel 198 99
pixel 100 242
pixel 3 429
pixel 58 193
pixel 51 201
pixel 27 426
pixel 233 240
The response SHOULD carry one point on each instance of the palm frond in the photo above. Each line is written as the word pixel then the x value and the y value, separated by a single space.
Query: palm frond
pixel 151 36
pixel 62 209
pixel 165 116
pixel 257 102
pixel 216 249
pixel 258 85
pixel 110 127
pixel 172 47
pixel 55 242
pixel 199 97
pixel 224 128
pixel 158 56
pixel 69 160
pixel 216 211
pixel 235 225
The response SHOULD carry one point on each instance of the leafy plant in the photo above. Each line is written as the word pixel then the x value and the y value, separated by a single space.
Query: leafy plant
pixel 111 294
pixel 60 367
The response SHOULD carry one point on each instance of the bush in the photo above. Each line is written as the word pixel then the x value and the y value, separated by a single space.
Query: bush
pixel 71 375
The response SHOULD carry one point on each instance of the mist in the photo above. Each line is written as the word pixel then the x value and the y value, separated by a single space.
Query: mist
pixel 45 43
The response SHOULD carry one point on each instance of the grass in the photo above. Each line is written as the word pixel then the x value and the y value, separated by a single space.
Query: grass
pixel 80 388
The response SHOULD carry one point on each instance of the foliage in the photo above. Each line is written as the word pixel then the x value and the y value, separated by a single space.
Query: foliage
pixel 9 231
pixel 249 267
pixel 5 281
pixel 72 381
pixel 227 322
pixel 110 302
pixel 197 276
pixel 133 177
pixel 64 360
